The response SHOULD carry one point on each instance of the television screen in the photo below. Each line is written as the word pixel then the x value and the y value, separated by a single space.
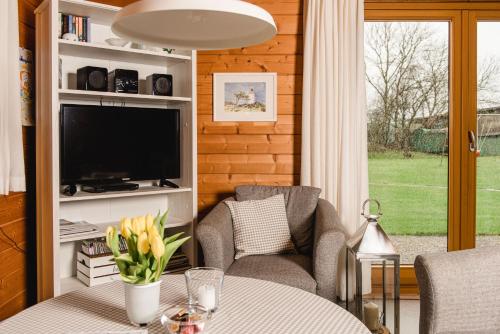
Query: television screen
pixel 103 143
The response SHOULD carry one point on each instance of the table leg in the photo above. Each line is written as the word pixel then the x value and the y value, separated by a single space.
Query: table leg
pixel 347 280
pixel 396 296
pixel 384 299
pixel 359 290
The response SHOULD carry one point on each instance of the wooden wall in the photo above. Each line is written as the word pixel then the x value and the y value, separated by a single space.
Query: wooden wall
pixel 17 210
pixel 232 153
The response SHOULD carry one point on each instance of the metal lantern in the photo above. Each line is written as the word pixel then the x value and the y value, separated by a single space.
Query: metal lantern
pixel 371 244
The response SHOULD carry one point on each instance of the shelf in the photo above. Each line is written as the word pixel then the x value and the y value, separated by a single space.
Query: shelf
pixel 99 13
pixel 171 222
pixel 104 51
pixel 74 94
pixel 142 191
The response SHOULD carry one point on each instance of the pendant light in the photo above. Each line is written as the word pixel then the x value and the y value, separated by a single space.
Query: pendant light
pixel 194 24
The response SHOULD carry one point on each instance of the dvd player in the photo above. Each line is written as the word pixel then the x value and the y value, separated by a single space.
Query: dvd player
pixel 104 187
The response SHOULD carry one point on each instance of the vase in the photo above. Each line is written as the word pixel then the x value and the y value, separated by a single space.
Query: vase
pixel 142 302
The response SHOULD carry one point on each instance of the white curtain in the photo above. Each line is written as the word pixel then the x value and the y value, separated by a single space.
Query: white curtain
pixel 334 131
pixel 11 139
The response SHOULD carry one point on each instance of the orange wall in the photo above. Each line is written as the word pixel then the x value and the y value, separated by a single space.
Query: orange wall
pixel 17 224
pixel 232 153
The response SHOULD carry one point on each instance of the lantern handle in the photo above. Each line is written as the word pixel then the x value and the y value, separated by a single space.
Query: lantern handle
pixel 379 213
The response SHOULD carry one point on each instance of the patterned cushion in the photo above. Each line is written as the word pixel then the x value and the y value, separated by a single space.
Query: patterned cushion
pixel 260 227
pixel 300 204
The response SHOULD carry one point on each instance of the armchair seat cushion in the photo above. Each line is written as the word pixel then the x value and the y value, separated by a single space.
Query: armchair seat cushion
pixel 292 270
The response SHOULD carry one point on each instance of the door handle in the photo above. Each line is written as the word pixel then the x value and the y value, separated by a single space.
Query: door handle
pixel 472 141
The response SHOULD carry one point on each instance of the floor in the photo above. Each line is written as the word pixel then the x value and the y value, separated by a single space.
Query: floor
pixel 409 312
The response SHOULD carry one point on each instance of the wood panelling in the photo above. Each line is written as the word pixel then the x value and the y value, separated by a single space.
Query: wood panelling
pixel 234 153
pixel 17 225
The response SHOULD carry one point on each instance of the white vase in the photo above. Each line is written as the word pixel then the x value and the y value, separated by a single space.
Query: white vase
pixel 142 302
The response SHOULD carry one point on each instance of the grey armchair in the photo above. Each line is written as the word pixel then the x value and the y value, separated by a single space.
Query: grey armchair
pixel 315 229
pixel 459 291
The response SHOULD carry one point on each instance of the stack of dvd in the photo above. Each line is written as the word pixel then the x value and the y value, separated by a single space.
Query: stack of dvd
pixel 73 24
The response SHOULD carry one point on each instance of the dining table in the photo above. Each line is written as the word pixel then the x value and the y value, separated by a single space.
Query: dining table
pixel 247 306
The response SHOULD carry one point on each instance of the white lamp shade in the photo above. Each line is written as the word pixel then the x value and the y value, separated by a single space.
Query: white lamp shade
pixel 194 24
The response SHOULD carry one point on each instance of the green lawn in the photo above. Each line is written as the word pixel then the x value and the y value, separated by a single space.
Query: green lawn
pixel 413 193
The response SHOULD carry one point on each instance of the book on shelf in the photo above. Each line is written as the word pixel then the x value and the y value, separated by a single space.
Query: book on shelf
pixel 70 229
pixel 73 24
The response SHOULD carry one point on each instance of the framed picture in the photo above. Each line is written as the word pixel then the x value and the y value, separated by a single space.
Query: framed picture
pixel 245 97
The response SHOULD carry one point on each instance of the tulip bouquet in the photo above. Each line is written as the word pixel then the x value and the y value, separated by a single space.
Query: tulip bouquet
pixel 148 251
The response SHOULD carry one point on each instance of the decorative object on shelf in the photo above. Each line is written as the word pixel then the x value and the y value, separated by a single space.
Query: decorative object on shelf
pixel 204 286
pixel 194 24
pixel 26 89
pixel 169 51
pixel 245 97
pixel 70 37
pixel 79 26
pixel 123 81
pixel 114 41
pixel 92 78
pixel 184 318
pixel 159 84
pixel 371 244
pixel 137 46
pixel 141 267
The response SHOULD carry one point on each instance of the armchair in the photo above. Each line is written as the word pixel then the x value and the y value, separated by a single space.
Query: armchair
pixel 316 232
pixel 459 291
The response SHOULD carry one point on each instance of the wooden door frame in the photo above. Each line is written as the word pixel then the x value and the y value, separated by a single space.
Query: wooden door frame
pixel 463 104
pixel 409 288
pixel 469 177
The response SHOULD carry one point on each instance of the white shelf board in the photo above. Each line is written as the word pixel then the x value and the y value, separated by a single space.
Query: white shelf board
pixel 171 222
pixel 142 191
pixel 99 13
pixel 104 51
pixel 74 94
pixel 69 284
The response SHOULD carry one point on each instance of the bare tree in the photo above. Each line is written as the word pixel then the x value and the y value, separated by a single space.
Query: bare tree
pixel 409 75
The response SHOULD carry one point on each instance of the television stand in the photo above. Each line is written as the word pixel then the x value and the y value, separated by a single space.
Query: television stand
pixel 104 187
pixel 165 182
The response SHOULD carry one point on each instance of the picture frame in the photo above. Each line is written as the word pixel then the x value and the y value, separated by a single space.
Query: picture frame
pixel 245 97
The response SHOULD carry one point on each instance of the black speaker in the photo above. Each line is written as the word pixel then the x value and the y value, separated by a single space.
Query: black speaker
pixel 159 84
pixel 123 81
pixel 92 78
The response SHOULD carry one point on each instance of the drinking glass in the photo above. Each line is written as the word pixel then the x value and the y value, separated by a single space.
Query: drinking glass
pixel 204 286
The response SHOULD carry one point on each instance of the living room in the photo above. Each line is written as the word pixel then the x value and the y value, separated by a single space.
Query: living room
pixel 230 166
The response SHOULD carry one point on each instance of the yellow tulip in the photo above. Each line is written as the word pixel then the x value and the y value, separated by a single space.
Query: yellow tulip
pixel 125 227
pixel 157 247
pixel 143 243
pixel 138 225
pixel 149 221
pixel 152 233
pixel 110 232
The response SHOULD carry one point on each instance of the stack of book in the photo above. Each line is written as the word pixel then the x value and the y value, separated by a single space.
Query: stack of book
pixel 95 263
pixel 80 229
pixel 72 24
pixel 98 247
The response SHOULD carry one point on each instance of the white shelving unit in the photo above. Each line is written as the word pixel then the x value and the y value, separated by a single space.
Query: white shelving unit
pixel 57 62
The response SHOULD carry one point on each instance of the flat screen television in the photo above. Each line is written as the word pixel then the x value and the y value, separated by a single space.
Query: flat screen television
pixel 102 144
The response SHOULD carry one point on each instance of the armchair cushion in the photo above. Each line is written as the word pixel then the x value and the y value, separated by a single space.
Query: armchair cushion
pixel 260 227
pixel 300 204
pixel 292 270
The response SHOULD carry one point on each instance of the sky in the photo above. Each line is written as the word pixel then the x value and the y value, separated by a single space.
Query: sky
pixel 488 41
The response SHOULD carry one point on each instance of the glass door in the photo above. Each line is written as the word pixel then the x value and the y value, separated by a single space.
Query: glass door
pixel 484 130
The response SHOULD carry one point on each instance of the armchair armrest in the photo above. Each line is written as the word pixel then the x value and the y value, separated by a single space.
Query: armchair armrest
pixel 215 234
pixel 459 291
pixel 329 239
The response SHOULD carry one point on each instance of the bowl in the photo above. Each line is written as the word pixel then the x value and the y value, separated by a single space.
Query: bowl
pixel 116 41
pixel 185 319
